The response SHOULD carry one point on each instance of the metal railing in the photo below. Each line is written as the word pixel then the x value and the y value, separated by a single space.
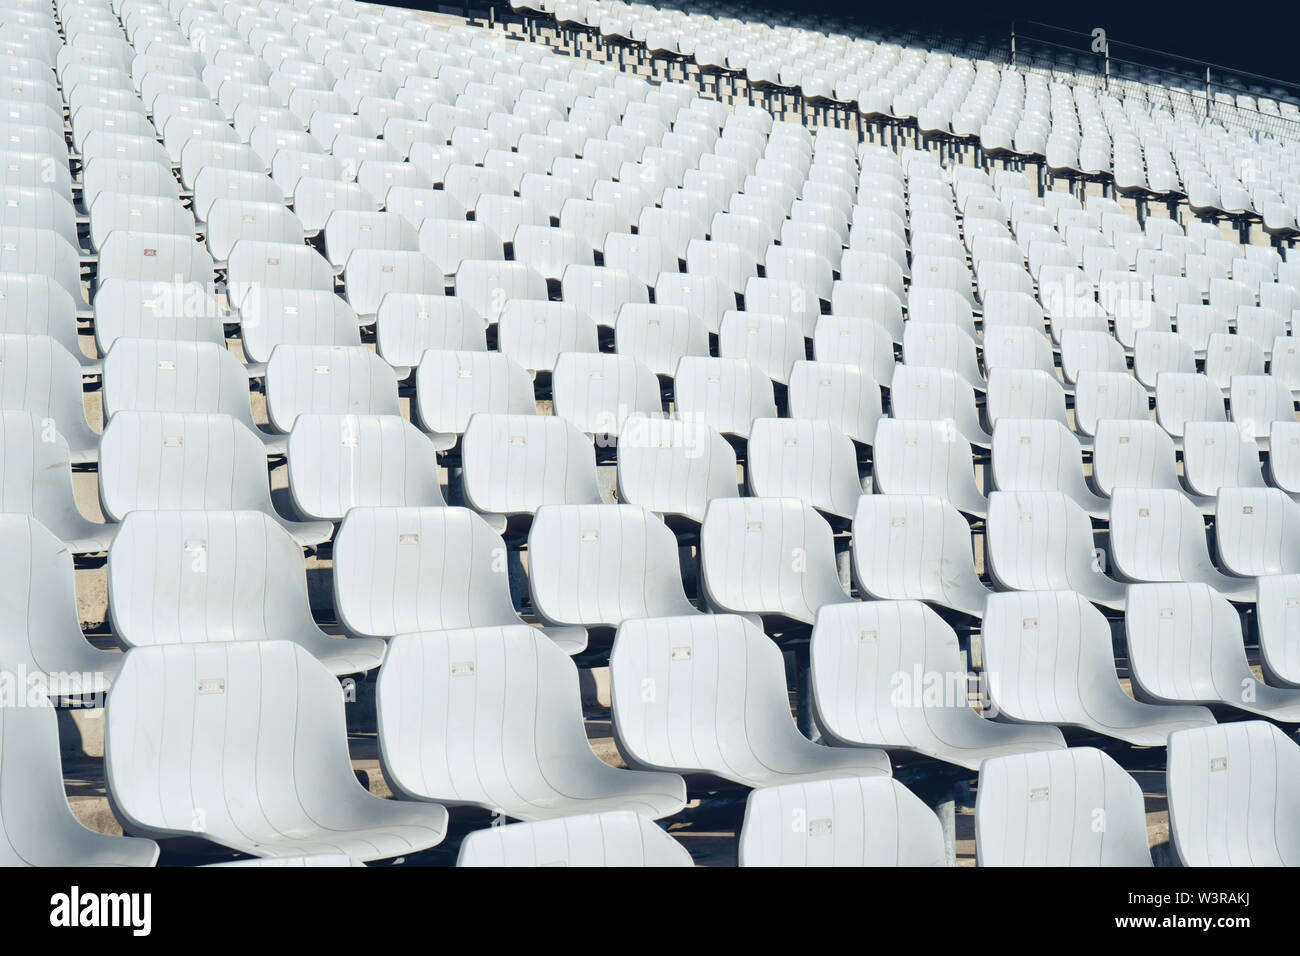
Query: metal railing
pixel 1193 87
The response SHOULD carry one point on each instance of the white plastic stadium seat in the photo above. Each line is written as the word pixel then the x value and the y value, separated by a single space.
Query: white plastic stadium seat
pixel 600 565
pixel 1229 789
pixel 37 827
pixel 1042 541
pixel 180 577
pixel 849 821
pixel 1156 534
pixel 41 635
pixel 1074 807
pixel 1185 646
pixel 916 547
pixel 706 694
pixel 1053 654
pixel 403 570
pixel 36 480
pixel 165 461
pixel 249 772
pixel 338 462
pixel 858 651
pixel 768 556
pixel 615 838
pixel 511 738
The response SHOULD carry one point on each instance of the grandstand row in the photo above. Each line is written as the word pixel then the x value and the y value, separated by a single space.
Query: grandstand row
pixel 606 434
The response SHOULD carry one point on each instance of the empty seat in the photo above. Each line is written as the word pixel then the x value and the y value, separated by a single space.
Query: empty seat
pixel 1182 397
pixel 1156 351
pixel 534 334
pixel 615 838
pixel 155 257
pixel 861 343
pixel 600 292
pixel 841 395
pixel 230 220
pixel 36 822
pixel 1074 807
pixel 1284 457
pixel 1277 607
pixel 939 345
pixel 916 547
pixel 161 461
pixel 156 375
pixel 850 821
pixel 808 460
pixel 749 736
pixel 249 772
pixel 514 464
pixel 371 274
pixel 926 458
pixel 768 556
pixel 659 335
pixel 674 468
pixel 1042 541
pixel 599 565
pixel 182 577
pixel 1042 455
pixel 1025 393
pixel 452 386
pixel 403 570
pixel 1185 646
pixel 940 395
pixel 37 305
pixel 1230 788
pixel 597 392
pixel 337 380
pixel 1156 534
pixel 858 651
pixel 338 462
pixel 512 739
pixel 270 317
pixel 487 285
pixel 42 638
pixel 273 265
pixel 725 394
pixel 36 480
pixel 348 230
pixel 1218 455
pixel 1107 396
pixel 768 342
pixel 1055 661
pixel 1258 532
pixel 1086 351
pixel 40 377
pixel 1257 401
pixel 407 324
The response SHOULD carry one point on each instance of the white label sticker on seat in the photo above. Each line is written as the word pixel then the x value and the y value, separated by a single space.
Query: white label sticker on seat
pixel 1218 763
pixel 462 669
pixel 212 685
pixel 1038 793
pixel 409 537
pixel 681 654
